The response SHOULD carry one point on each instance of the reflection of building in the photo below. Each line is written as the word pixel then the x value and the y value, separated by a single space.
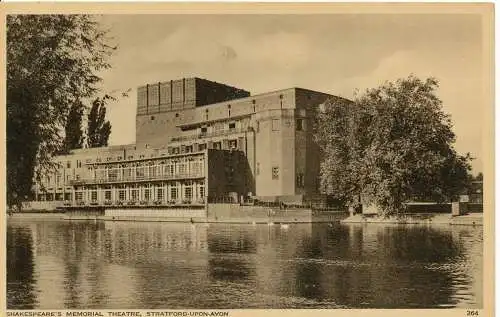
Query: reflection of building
pixel 197 139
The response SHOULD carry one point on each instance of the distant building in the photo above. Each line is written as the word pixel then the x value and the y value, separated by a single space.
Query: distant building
pixel 476 191
pixel 199 141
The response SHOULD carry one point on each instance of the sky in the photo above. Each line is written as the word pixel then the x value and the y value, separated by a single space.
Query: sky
pixel 332 53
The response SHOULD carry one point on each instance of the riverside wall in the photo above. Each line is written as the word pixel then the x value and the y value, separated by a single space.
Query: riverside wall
pixel 215 213
pixel 235 213
pixel 140 214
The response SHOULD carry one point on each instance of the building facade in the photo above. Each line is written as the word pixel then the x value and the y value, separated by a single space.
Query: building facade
pixel 199 141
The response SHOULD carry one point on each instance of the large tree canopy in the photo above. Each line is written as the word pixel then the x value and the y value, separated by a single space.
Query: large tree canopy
pixel 392 145
pixel 52 63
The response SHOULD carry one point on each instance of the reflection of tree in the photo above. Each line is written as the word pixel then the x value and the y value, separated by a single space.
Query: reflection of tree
pixel 72 258
pixel 323 244
pixel 96 266
pixel 375 266
pixel 416 244
pixel 20 269
pixel 230 250
pixel 75 245
pixel 84 263
pixel 393 268
pixel 471 240
pixel 309 276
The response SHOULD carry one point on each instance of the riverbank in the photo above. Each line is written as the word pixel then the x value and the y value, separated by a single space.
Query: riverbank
pixel 213 213
pixel 258 217
pixel 472 219
pixel 264 217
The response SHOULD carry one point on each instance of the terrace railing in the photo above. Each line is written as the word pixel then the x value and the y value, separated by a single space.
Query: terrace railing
pixel 119 178
pixel 132 202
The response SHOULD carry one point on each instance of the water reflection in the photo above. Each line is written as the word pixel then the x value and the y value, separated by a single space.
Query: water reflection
pixel 21 281
pixel 58 264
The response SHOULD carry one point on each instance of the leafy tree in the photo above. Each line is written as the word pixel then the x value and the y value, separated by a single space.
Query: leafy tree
pixel 52 62
pixel 392 145
pixel 99 128
pixel 73 138
pixel 336 131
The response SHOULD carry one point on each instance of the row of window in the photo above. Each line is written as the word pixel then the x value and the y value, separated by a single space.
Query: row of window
pixel 140 172
pixel 275 125
pixel 130 157
pixel 171 193
pixel 78 163
pixel 195 167
pixel 134 194
pixel 217 127
pixel 231 144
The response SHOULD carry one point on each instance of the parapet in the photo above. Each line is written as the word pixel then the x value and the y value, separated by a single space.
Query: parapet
pixel 183 94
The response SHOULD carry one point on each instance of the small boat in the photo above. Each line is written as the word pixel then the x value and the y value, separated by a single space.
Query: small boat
pixel 284 226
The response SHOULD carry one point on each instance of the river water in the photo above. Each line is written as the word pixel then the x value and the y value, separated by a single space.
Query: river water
pixel 56 264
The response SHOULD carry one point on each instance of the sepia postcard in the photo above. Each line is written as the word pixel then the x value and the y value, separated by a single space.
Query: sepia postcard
pixel 240 159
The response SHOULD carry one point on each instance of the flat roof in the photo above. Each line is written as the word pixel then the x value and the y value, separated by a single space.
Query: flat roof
pixel 195 78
